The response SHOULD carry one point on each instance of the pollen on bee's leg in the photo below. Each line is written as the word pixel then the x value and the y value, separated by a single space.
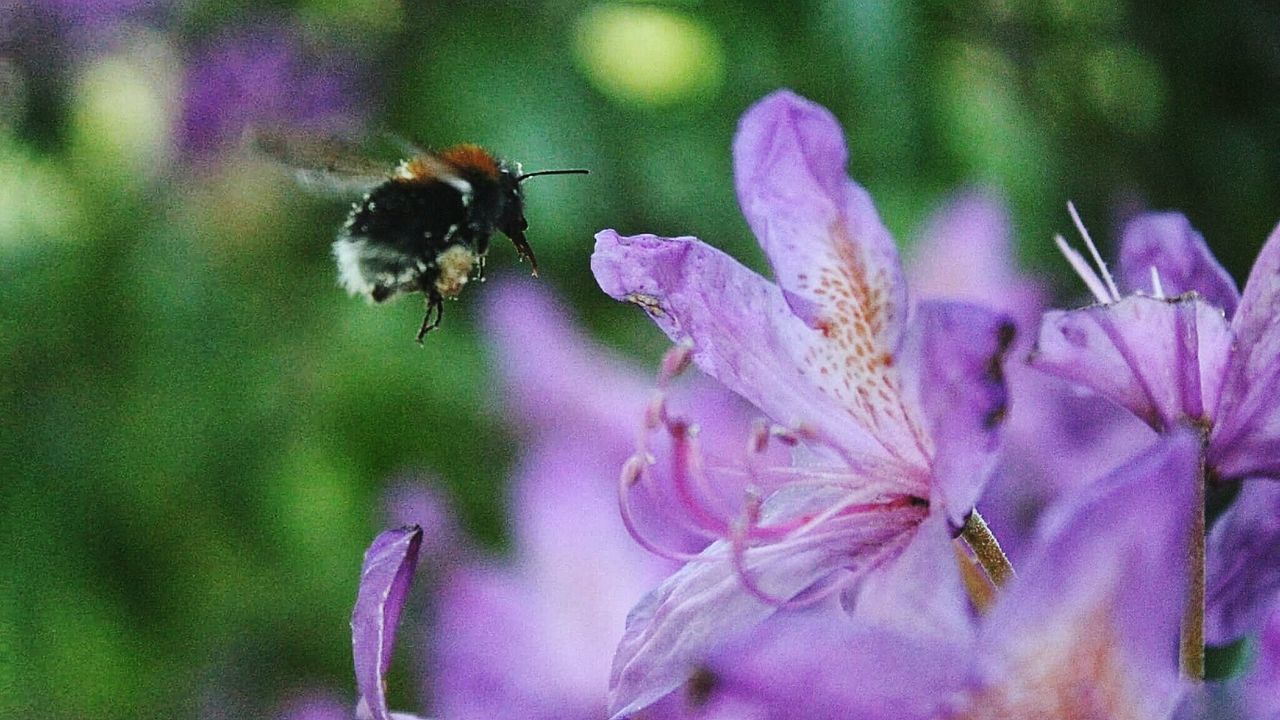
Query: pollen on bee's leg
pixel 454 266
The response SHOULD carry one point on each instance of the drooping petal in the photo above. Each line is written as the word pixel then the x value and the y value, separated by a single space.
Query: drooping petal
pixel 674 628
pixel 833 258
pixel 1168 243
pixel 1161 359
pixel 958 382
pixel 1242 555
pixel 824 665
pixel 1247 442
pixel 385 577
pixel 1089 628
pixel 745 336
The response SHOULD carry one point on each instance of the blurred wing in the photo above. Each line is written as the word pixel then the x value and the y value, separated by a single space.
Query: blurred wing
pixel 326 167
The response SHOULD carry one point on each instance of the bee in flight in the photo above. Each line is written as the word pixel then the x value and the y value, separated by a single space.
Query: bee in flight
pixel 422 227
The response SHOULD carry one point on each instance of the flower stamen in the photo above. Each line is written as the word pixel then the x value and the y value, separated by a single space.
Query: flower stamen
pixel 1157 288
pixel 1114 292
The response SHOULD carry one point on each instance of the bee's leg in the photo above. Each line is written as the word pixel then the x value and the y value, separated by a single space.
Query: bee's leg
pixel 434 314
pixel 522 247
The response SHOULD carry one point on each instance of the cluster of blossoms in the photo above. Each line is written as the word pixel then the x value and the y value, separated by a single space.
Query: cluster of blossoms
pixel 822 549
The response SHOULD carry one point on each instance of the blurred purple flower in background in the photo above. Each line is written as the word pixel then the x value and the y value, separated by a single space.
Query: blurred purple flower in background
pixel 266 76
pixel 532 636
pixel 64 30
pixel 897 415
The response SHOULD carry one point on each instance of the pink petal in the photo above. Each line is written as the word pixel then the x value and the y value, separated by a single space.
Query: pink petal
pixel 677 625
pixel 1248 440
pixel 745 336
pixel 919 593
pixel 1261 687
pixel 1167 242
pixel 385 578
pixel 835 262
pixel 1161 359
pixel 825 665
pixel 958 382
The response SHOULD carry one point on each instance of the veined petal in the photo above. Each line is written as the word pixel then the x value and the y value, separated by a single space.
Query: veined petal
pixel 1089 627
pixel 385 578
pixel 1162 360
pixel 1242 572
pixel 833 258
pixel 920 592
pixel 745 336
pixel 958 382
pixel 835 262
pixel 1168 243
pixel 676 626
pixel 1247 442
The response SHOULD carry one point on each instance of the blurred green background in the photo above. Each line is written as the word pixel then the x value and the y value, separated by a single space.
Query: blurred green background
pixel 198 425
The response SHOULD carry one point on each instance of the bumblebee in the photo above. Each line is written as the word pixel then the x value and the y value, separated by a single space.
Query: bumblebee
pixel 426 226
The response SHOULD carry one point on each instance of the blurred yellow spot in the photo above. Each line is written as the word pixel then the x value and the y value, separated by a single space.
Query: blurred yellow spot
pixel 121 113
pixel 648 55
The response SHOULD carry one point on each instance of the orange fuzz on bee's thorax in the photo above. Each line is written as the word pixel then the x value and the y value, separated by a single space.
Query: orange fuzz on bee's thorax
pixel 471 158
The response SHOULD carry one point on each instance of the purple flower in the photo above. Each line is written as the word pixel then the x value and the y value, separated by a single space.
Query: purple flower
pixel 1055 440
pixel 531 636
pixel 1185 348
pixel 1172 357
pixel 48 34
pixel 264 77
pixel 895 409
pixel 385 578
pixel 1088 629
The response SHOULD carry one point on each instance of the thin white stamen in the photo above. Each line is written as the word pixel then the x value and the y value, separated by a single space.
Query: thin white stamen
pixel 1086 273
pixel 1093 250
pixel 1157 289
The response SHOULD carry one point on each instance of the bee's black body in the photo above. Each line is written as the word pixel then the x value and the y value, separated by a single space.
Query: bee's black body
pixel 427 228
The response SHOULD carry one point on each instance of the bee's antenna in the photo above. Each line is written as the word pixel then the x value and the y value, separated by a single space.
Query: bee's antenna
pixel 526 176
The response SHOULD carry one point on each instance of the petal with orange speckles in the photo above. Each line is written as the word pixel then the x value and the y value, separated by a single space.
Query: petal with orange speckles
pixel 745 335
